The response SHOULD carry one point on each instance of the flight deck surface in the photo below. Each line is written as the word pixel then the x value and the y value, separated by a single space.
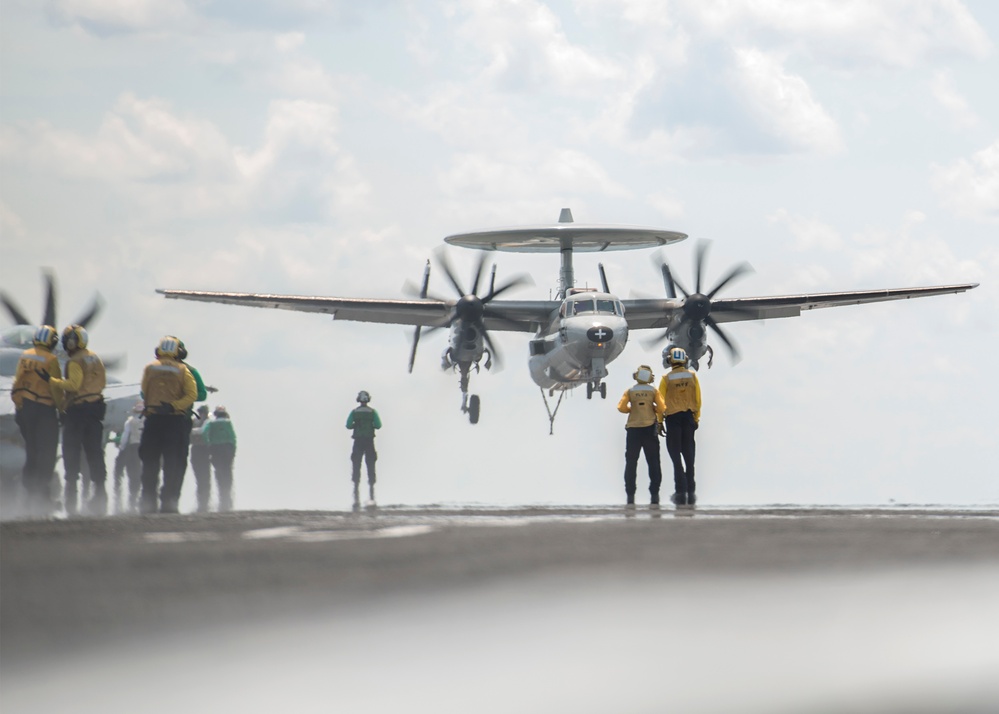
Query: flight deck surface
pixel 505 609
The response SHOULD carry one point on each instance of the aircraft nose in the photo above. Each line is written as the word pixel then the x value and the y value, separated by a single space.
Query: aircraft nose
pixel 600 334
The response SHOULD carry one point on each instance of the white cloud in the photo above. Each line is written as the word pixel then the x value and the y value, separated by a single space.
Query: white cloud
pixel 783 103
pixel 910 254
pixel 288 41
pixel 943 90
pixel 854 33
pixel 970 187
pixel 563 172
pixel 529 51
pixel 105 17
pixel 185 167
pixel 808 233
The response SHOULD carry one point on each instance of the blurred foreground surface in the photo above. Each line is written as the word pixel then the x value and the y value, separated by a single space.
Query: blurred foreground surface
pixel 529 610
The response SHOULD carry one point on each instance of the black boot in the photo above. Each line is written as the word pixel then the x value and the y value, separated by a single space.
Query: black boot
pixel 679 498
pixel 71 499
pixel 98 503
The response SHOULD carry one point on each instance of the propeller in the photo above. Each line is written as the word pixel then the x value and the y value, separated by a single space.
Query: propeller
pixel 416 333
pixel 696 305
pixel 49 307
pixel 470 308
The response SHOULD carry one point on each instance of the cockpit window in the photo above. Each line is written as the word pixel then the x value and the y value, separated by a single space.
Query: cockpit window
pixel 606 306
pixel 581 306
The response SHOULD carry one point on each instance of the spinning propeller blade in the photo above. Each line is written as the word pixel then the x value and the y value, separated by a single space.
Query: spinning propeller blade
pixel 697 305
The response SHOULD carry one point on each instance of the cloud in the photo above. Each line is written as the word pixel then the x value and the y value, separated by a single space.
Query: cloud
pixel 848 33
pixel 783 103
pixel 960 112
pixel 527 50
pixel 808 233
pixel 970 187
pixel 168 167
pixel 563 172
pixel 111 17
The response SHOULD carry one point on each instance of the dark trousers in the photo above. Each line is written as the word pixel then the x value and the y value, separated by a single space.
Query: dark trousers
pixel 201 465
pixel 83 434
pixel 164 438
pixel 222 457
pixel 642 438
pixel 364 448
pixel 680 445
pixel 39 427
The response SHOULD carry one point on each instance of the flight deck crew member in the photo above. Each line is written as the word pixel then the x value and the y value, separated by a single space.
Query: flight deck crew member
pixel 644 407
pixel 201 460
pixel 83 420
pixel 202 395
pixel 682 394
pixel 364 420
pixel 221 440
pixel 35 403
pixel 169 391
pixel 128 454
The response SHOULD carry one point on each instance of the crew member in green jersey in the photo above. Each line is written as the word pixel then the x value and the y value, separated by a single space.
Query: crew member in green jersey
pixel 363 420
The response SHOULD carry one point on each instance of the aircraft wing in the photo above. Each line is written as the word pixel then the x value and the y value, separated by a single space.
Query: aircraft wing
pixel 651 313
pixel 508 315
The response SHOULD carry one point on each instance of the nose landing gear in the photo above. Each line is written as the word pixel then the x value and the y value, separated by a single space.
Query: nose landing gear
pixel 470 404
pixel 598 386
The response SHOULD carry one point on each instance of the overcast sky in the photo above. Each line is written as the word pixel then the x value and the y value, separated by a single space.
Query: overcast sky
pixel 323 147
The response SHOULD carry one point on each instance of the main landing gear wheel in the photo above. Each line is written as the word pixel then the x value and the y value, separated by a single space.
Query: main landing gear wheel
pixel 603 390
pixel 473 409
pixel 591 388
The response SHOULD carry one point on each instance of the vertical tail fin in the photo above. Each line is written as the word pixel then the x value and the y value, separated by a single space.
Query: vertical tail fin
pixel 565 216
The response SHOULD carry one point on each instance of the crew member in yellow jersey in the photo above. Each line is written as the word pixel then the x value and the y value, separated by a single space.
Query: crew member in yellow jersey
pixel 83 422
pixel 169 390
pixel 35 401
pixel 681 392
pixel 644 407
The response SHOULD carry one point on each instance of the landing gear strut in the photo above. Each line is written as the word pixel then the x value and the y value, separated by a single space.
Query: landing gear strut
pixel 470 403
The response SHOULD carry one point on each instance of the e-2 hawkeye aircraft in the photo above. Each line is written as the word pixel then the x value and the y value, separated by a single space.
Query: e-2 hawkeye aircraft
pixel 579 332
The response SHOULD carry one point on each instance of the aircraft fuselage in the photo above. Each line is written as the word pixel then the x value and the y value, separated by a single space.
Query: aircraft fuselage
pixel 588 333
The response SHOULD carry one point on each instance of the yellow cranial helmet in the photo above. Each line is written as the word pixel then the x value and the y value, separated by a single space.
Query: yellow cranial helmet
pixel 169 346
pixel 674 356
pixel 46 336
pixel 643 374
pixel 74 338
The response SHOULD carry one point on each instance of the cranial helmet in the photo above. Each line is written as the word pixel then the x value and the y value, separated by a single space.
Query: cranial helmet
pixel 643 374
pixel 220 411
pixel 674 356
pixel 181 350
pixel 169 346
pixel 46 336
pixel 363 397
pixel 74 338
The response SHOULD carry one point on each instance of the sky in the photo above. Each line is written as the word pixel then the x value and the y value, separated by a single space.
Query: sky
pixel 320 147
